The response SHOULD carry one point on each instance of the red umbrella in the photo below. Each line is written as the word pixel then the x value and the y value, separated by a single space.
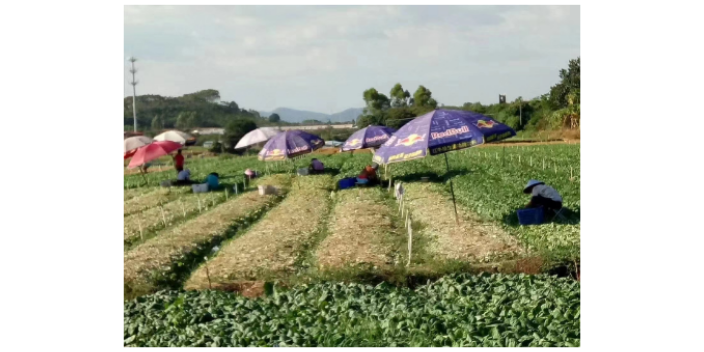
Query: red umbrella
pixel 152 151
pixel 130 153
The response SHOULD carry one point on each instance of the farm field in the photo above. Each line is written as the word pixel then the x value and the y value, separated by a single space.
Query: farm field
pixel 333 267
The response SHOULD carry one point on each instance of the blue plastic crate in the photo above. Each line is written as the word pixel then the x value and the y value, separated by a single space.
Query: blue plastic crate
pixel 347 183
pixel 531 216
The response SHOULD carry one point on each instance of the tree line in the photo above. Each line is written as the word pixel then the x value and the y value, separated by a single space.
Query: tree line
pixel 557 109
pixel 199 109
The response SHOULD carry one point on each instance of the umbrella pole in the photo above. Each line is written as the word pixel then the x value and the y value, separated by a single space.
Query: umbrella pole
pixel 452 190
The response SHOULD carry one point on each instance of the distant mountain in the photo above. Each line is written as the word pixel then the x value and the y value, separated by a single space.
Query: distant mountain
pixel 347 115
pixel 298 116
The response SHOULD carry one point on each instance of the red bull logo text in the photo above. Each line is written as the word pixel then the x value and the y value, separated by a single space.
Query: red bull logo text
pixel 376 139
pixel 298 149
pixel 485 124
pixel 354 142
pixel 410 140
pixel 449 133
pixel 274 152
pixel 407 156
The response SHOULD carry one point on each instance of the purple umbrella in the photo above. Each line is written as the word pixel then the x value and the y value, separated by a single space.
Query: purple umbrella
pixel 368 137
pixel 290 144
pixel 441 131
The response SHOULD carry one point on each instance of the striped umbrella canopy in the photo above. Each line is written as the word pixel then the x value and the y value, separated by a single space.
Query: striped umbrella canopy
pixel 174 136
pixel 132 143
pixel 290 144
pixel 152 151
pixel 259 135
pixel 368 137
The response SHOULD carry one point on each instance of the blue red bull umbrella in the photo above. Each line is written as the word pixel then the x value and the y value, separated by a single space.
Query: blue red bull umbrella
pixel 438 132
pixel 441 131
pixel 290 144
pixel 368 137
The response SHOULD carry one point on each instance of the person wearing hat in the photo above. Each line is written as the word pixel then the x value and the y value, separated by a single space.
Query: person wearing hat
pixel 368 175
pixel 183 178
pixel 543 196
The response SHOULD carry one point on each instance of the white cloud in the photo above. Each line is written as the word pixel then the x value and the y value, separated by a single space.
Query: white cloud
pixel 306 56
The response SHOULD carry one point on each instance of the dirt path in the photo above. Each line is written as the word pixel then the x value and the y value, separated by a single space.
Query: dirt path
pixel 274 244
pixel 359 229
pixel 473 240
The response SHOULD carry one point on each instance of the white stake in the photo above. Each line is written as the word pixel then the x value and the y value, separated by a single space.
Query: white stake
pixel 161 208
pixel 183 208
pixel 236 191
pixel 519 158
pixel 226 194
pixel 543 163
pixel 410 243
pixel 139 223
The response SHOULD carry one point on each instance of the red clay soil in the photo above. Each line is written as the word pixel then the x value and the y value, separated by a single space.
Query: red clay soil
pixel 530 266
pixel 249 289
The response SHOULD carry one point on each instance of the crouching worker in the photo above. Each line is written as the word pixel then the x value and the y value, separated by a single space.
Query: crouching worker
pixel 250 174
pixel 316 167
pixel 213 181
pixel 368 176
pixel 183 178
pixel 543 196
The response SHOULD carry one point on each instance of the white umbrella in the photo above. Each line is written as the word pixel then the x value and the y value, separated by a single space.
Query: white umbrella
pixel 259 135
pixel 135 142
pixel 174 136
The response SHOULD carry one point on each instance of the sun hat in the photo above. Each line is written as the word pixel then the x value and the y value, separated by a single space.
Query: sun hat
pixel 531 184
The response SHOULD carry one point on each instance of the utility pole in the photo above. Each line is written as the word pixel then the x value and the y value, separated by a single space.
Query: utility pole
pixel 520 111
pixel 134 93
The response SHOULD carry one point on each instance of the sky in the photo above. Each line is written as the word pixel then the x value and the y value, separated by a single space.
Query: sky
pixel 322 58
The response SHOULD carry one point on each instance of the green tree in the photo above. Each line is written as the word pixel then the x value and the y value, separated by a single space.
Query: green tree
pixel 375 101
pixel 368 120
pixel 192 120
pixel 399 97
pixel 235 130
pixel 423 97
pixel 568 117
pixel 274 118
pixel 233 107
pixel 569 83
pixel 254 113
pixel 182 121
pixel 398 117
pixel 157 123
